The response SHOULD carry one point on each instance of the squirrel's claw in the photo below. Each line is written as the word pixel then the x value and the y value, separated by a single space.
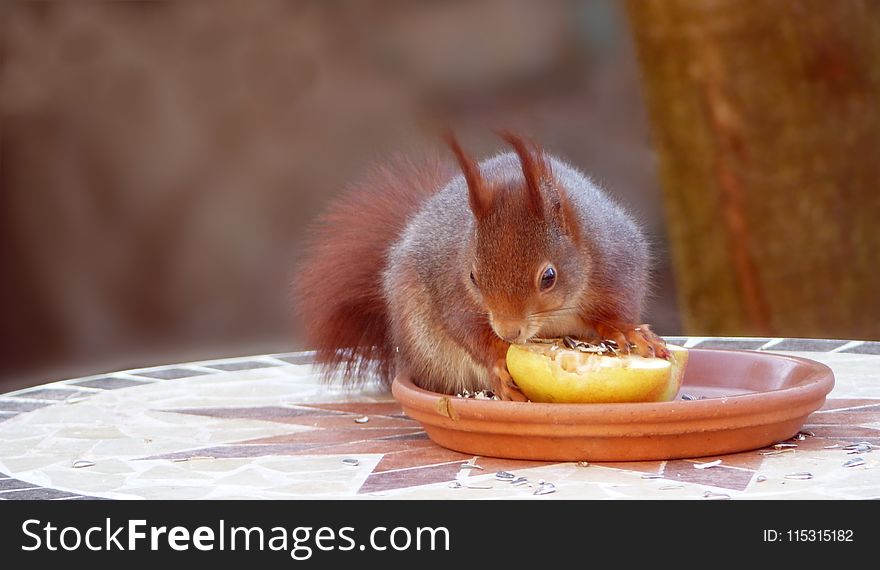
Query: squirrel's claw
pixel 641 337
pixel 503 384
pixel 647 343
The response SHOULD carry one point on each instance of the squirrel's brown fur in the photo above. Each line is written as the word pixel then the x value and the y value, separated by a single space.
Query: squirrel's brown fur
pixel 421 271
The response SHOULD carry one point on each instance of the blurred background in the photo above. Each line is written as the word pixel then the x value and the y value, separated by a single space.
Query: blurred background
pixel 160 161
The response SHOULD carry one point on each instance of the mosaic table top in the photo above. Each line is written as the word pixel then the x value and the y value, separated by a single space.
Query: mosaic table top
pixel 264 427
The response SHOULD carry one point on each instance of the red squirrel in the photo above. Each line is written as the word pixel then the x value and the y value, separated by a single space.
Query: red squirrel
pixel 432 273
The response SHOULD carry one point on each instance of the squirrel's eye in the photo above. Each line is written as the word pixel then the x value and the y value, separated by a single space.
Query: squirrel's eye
pixel 473 279
pixel 548 278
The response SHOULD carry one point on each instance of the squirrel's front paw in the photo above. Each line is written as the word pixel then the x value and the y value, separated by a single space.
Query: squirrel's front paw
pixel 640 337
pixel 503 384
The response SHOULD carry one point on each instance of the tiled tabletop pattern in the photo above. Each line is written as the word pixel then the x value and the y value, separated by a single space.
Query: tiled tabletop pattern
pixel 265 427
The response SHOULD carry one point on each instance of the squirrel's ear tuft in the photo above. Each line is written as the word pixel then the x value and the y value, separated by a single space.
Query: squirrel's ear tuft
pixel 543 191
pixel 479 194
pixel 535 167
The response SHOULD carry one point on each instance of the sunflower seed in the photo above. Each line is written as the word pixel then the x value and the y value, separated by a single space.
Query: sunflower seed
pixel 798 437
pixel 505 476
pixel 806 433
pixel 715 463
pixel 800 475
pixel 784 445
pixel 519 481
pixel 460 485
pixel 361 420
pixel 716 496
pixel 569 342
pixel 860 447
pixel 79 464
pixel 688 397
pixel 760 479
pixel 192 458
pixel 76 399
pixel 583 463
pixel 855 462
pixel 652 476
pixel 481 395
pixel 351 461
pixel 776 451
pixel 545 489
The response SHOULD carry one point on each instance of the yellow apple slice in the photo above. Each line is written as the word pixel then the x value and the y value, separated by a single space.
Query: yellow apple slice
pixel 553 373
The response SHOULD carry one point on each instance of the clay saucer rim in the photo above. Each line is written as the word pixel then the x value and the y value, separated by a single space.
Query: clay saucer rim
pixel 806 391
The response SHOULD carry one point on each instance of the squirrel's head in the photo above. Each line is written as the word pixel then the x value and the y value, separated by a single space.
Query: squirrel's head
pixel 524 262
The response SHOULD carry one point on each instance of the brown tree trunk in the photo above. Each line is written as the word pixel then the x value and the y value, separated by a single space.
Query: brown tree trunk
pixel 766 121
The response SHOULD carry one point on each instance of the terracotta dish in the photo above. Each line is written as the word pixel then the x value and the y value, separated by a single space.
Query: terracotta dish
pixel 750 400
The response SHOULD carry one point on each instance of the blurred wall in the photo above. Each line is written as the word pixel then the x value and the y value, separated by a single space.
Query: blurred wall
pixel 159 160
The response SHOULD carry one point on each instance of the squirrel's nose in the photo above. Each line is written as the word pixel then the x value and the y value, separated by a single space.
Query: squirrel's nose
pixel 509 330
pixel 511 335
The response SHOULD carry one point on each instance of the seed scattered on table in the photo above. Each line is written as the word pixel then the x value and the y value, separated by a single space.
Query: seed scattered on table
pixel 715 463
pixel 716 496
pixel 81 463
pixel 652 476
pixel 460 485
pixel 760 479
pixel 855 462
pixel 776 451
pixel 505 476
pixel 860 447
pixel 351 461
pixel 76 399
pixel 784 445
pixel 583 463
pixel 519 481
pixel 800 475
pixel 545 489
pixel 362 420
pixel 191 458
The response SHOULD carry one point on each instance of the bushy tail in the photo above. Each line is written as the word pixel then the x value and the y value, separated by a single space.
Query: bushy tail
pixel 338 285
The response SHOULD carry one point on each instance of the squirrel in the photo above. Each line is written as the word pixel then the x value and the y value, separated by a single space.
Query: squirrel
pixel 425 271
